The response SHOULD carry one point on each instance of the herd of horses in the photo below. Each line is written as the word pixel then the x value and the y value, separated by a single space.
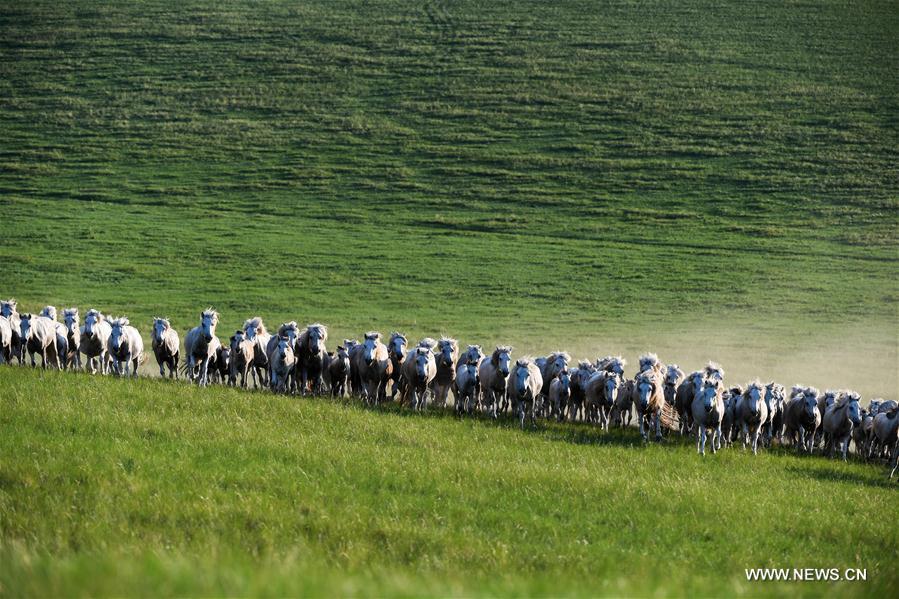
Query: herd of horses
pixel 294 359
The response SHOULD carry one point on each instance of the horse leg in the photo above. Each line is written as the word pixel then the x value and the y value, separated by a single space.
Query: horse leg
pixel 658 418
pixel 700 440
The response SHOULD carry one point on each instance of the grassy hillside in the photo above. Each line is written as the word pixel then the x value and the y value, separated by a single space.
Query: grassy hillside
pixel 120 487
pixel 603 177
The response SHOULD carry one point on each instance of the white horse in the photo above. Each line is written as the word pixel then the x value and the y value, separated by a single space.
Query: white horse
pixel 466 387
pixel 419 369
pixel 525 384
pixel 255 331
pixel 166 346
pixel 802 417
pixel 291 330
pixel 494 376
pixel 283 363
pixel 560 394
pixel 839 421
pixel 774 399
pixel 125 346
pixel 708 408
pixel 5 341
pixel 550 367
pixel 371 368
pixel 62 342
pixel 649 396
pixel 202 346
pixel 751 414
pixel 886 435
pixel 8 311
pixel 73 337
pixel 241 359
pixel 38 335
pixel 94 336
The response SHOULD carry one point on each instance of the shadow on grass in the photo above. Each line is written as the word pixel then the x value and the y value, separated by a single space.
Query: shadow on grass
pixel 578 433
pixel 824 474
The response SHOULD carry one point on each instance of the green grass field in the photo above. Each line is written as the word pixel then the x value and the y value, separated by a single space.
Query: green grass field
pixel 706 180
pixel 111 487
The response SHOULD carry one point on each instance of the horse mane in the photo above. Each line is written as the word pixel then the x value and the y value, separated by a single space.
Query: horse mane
pixel 648 361
pixel 286 326
pixel 210 312
pixel 70 312
pixel 847 397
pixel 49 312
pixel 646 375
pixel 611 363
pixel 397 335
pixel 97 313
pixel 559 354
pixel 494 357
pixel 322 330
pixel 674 370
pixel 121 321
pixel 524 361
pixel 756 384
pixel 585 364
pixel 428 343
pixel 448 341
pixel 373 335
pixel 255 322
pixel 714 369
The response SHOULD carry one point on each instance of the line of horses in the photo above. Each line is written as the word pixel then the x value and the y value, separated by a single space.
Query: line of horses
pixel 295 360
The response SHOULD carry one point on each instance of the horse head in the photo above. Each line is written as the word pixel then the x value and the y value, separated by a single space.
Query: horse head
pixel 160 326
pixel 369 345
pixel 118 332
pixel 25 324
pixel 8 308
pixel 316 334
pixel 70 318
pixel 611 384
pixel 422 360
pixel 209 319
pixel 398 344
pixel 709 393
pixel 521 377
pixel 447 351
pixel 91 320
pixel 501 359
